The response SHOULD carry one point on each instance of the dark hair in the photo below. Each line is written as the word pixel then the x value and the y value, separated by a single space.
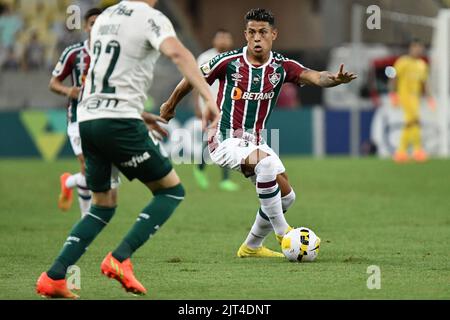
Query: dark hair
pixel 260 15
pixel 415 41
pixel 92 12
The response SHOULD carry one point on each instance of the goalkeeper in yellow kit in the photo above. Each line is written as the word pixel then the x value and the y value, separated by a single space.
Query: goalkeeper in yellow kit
pixel 406 91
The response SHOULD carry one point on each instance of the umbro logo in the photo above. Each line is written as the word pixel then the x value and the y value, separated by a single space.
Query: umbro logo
pixel 237 77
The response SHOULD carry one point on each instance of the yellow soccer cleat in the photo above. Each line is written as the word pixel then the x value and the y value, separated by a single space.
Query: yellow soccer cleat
pixel 280 238
pixel 261 252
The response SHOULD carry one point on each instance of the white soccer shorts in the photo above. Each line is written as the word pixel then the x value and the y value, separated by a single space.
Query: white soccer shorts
pixel 73 132
pixel 232 152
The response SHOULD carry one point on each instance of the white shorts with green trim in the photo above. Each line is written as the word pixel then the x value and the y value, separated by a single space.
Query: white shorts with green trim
pixel 232 152
pixel 73 131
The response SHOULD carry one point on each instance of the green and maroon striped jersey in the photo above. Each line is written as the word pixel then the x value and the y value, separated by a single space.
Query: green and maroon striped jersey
pixel 248 93
pixel 74 62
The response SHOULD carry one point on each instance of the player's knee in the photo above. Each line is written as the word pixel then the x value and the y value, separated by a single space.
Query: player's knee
pixel 176 194
pixel 113 197
pixel 268 166
pixel 105 199
pixel 288 200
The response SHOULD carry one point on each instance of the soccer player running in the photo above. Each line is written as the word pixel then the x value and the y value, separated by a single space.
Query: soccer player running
pixel 74 62
pixel 406 90
pixel 126 43
pixel 250 82
pixel 222 42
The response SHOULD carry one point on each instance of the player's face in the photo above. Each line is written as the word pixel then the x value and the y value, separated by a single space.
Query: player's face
pixel 223 42
pixel 89 24
pixel 416 50
pixel 260 36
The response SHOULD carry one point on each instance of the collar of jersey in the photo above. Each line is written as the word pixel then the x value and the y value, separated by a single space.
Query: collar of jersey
pixel 261 66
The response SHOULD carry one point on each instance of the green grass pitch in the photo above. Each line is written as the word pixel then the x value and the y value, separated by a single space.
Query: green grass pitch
pixel 367 212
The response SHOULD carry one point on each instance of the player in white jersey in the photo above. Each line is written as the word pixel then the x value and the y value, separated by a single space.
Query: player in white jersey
pixel 222 42
pixel 127 40
pixel 74 62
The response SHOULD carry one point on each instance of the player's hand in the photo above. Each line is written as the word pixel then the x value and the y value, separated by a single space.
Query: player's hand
pixel 342 76
pixel 73 93
pixel 393 97
pixel 153 121
pixel 167 111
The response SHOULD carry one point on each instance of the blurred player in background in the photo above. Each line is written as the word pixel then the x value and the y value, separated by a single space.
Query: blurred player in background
pixel 222 42
pixel 405 91
pixel 74 62
pixel 250 83
pixel 127 40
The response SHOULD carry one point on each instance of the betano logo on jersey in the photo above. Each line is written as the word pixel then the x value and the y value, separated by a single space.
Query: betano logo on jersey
pixel 238 94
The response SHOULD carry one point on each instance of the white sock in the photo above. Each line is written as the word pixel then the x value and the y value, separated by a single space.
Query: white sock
pixel 260 230
pixel 84 195
pixel 288 200
pixel 269 194
pixel 72 181
pixel 262 227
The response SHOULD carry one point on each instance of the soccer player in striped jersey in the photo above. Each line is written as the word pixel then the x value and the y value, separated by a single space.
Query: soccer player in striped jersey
pixel 250 82
pixel 74 62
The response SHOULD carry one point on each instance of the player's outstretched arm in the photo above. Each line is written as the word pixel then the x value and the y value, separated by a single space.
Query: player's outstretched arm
pixel 326 79
pixel 186 63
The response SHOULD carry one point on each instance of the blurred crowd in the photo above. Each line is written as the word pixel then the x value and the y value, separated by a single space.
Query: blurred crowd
pixel 33 33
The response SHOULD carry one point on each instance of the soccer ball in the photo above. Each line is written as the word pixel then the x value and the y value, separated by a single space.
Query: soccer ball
pixel 301 244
